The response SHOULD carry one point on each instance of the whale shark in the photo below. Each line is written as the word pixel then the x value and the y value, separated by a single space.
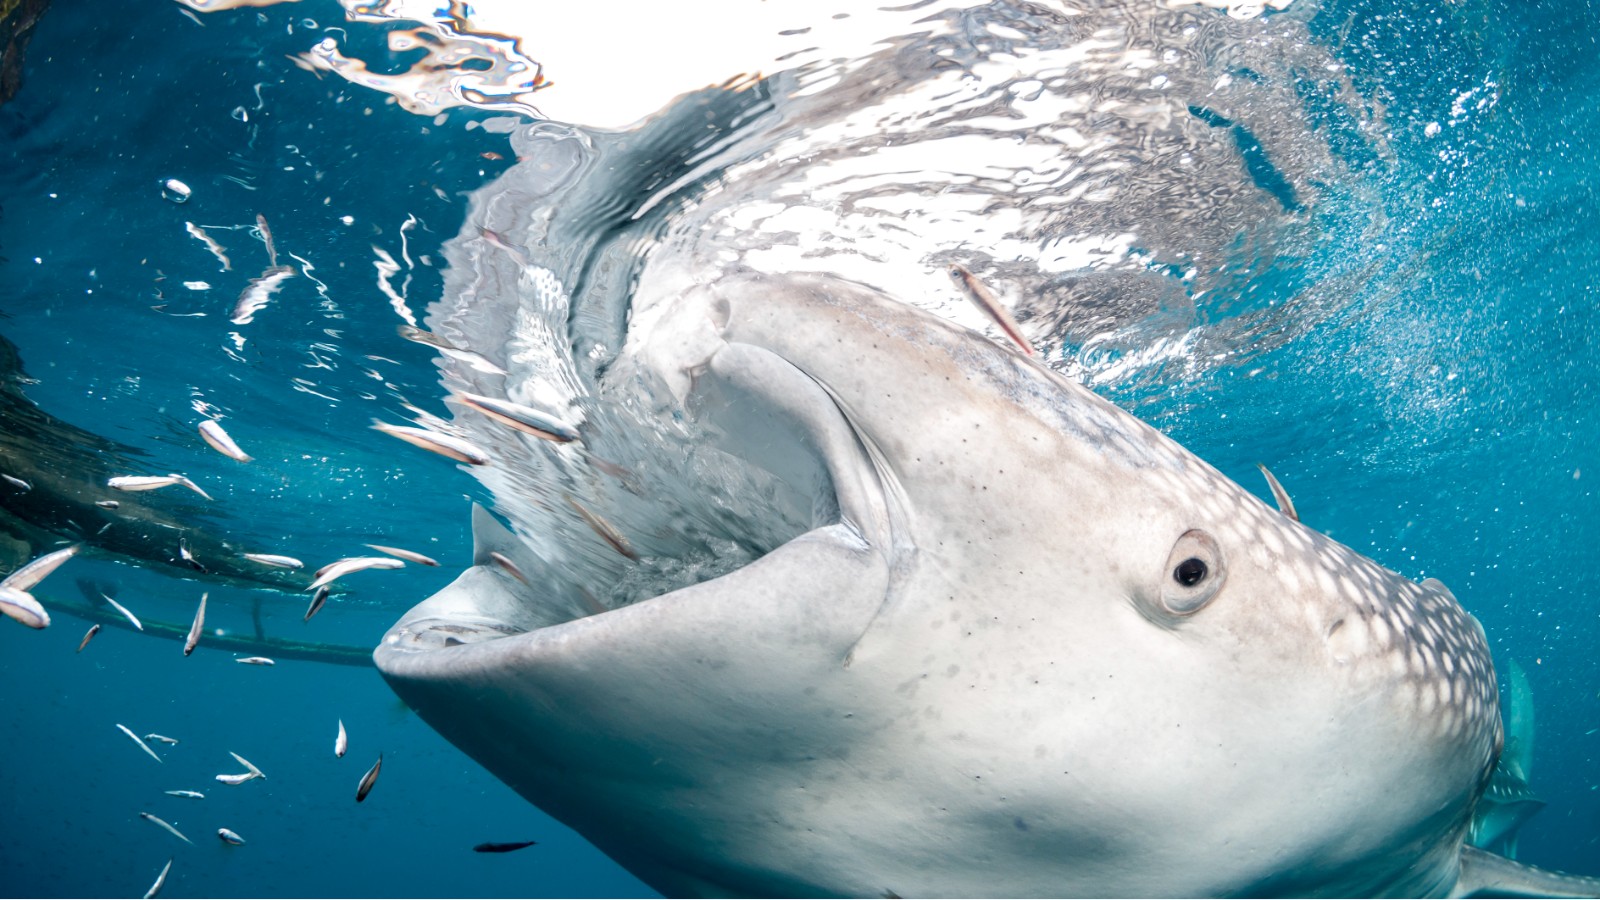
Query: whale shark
pixel 1024 644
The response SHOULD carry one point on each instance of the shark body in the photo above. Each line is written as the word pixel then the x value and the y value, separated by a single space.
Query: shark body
pixel 1028 646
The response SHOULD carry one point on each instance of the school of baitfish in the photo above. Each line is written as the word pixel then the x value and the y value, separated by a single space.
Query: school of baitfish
pixel 18 602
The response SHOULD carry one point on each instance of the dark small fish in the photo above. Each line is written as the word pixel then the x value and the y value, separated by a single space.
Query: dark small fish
pixel 493 847
pixel 317 600
pixel 369 779
pixel 88 636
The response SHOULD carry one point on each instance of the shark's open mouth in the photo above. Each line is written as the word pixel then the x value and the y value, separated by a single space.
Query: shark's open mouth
pixel 758 422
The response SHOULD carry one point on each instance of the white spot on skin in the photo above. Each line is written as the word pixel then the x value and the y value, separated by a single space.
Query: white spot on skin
pixel 1380 630
pixel 1269 537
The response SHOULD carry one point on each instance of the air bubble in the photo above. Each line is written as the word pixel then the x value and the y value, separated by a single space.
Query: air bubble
pixel 175 190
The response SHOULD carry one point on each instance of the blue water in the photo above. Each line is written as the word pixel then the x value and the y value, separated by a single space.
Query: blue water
pixel 1439 417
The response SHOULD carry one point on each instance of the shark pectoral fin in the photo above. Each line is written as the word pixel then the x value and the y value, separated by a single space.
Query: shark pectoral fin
pixel 1484 874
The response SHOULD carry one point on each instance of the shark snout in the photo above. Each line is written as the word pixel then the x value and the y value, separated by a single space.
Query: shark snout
pixel 1409 643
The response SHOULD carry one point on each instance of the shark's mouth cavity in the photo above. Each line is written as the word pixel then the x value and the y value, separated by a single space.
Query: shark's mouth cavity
pixel 759 454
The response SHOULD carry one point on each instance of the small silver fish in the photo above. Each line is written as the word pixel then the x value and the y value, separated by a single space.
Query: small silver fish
pixel 272 559
pixel 216 249
pixel 329 567
pixel 317 599
pixel 212 434
pixel 16 482
pixel 192 795
pixel 237 779
pixel 266 238
pixel 504 562
pixel 407 555
pixel 161 880
pixel 140 741
pixel 343 567
pixel 605 529
pixel 341 743
pixel 160 737
pixel 25 577
pixel 255 661
pixel 175 832
pixel 88 636
pixel 107 504
pixel 259 293
pixel 198 625
pixel 523 418
pixel 248 765
pixel 443 444
pixel 188 559
pixel 369 779
pixel 152 482
pixel 21 606
pixel 124 610
pixel 229 837
pixel 986 301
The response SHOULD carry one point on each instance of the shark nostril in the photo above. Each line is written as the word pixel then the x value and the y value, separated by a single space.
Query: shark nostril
pixel 1334 628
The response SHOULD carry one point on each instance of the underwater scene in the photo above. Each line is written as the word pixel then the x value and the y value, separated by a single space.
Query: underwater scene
pixel 683 354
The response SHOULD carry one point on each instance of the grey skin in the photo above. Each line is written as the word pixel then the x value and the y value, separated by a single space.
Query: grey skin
pixel 990 668
pixel 66 469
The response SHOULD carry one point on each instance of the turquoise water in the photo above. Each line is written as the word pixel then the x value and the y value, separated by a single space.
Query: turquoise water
pixel 1402 327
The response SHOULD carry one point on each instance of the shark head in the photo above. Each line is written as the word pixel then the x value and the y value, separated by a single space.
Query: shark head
pixel 1027 645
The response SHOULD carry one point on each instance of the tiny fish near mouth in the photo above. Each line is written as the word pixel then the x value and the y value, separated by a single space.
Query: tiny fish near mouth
pixel 936 686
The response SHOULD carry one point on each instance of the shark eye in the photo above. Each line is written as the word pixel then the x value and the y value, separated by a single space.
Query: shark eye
pixel 1194 573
